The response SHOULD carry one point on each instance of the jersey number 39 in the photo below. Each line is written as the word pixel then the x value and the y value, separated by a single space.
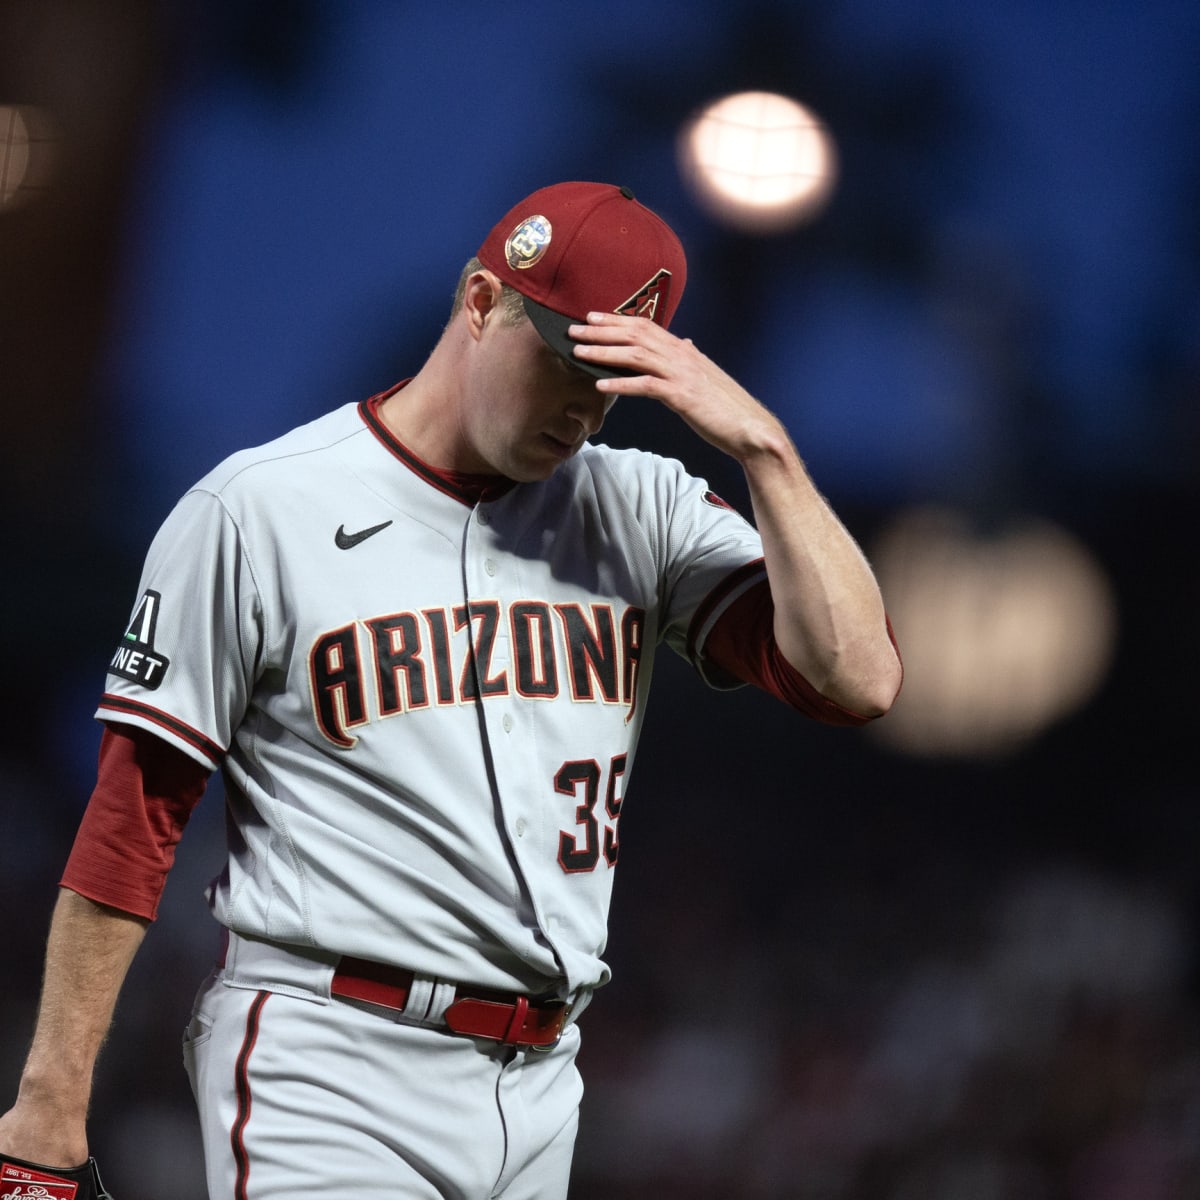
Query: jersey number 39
pixel 581 780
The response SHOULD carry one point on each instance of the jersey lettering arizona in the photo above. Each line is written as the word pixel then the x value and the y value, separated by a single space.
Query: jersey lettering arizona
pixel 408 661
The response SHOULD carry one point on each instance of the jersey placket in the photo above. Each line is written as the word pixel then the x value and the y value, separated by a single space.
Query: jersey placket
pixel 489 576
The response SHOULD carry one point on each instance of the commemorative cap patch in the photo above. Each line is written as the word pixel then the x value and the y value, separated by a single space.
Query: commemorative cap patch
pixel 528 242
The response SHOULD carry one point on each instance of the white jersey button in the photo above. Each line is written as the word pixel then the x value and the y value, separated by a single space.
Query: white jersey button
pixel 506 721
pixel 520 827
pixel 483 517
pixel 489 566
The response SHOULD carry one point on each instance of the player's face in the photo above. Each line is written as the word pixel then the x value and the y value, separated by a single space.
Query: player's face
pixel 533 409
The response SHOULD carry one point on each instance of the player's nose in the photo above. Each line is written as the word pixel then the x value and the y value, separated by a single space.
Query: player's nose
pixel 589 407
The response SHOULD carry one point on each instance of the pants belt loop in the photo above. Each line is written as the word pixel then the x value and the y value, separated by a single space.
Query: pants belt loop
pixel 441 998
pixel 520 1009
pixel 419 997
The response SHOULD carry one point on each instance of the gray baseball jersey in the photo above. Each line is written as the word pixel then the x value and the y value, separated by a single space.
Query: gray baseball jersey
pixel 425 704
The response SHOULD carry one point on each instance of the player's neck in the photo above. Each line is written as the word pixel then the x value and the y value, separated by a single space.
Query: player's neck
pixel 412 419
pixel 424 416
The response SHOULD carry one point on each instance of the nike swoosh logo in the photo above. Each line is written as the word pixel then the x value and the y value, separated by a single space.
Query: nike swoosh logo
pixel 347 541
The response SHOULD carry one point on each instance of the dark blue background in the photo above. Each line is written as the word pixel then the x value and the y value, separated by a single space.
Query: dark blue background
pixel 840 972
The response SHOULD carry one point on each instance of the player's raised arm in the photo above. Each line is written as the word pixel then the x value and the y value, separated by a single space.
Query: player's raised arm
pixel 88 954
pixel 829 615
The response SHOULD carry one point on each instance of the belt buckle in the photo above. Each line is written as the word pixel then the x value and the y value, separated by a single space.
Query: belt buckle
pixel 562 1022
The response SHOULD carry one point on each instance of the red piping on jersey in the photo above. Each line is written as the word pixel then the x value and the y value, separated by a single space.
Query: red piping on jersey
pixel 730 583
pixel 193 737
pixel 464 486
pixel 742 644
pixel 237 1135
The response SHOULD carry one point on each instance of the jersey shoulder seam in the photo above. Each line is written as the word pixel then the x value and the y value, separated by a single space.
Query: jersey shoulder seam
pixel 231 470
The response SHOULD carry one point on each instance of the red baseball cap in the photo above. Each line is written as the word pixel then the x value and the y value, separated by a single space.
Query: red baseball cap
pixel 575 248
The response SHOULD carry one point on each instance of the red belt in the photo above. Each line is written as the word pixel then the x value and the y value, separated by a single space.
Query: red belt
pixel 480 1012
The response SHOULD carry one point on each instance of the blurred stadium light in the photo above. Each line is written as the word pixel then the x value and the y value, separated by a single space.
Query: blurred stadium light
pixel 758 161
pixel 26 146
pixel 1004 631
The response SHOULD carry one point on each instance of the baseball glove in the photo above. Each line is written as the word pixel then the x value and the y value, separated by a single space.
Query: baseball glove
pixel 20 1179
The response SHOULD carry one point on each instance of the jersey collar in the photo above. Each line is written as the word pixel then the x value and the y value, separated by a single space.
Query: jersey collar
pixel 465 486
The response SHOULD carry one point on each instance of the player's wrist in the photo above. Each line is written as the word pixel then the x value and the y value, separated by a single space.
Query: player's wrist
pixel 766 445
pixel 43 1135
pixel 52 1099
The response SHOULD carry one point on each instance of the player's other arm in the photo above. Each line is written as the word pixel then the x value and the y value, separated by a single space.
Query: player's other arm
pixel 829 617
pixel 146 789
pixel 88 954
pixel 830 622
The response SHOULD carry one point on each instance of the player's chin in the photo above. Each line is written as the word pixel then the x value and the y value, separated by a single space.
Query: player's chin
pixel 554 451
pixel 538 459
pixel 530 469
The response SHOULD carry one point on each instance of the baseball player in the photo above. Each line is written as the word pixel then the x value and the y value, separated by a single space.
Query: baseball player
pixel 417 637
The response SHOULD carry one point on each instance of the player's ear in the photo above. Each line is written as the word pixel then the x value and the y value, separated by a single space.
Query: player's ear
pixel 481 299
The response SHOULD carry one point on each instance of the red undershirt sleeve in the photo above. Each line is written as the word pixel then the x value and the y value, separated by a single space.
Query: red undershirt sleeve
pixel 742 643
pixel 145 792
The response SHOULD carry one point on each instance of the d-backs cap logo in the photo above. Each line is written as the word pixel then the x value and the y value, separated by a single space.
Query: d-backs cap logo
pixel 135 658
pixel 644 302
pixel 528 242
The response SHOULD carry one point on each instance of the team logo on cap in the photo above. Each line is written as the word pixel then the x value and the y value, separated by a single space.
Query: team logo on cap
pixel 527 243
pixel 644 302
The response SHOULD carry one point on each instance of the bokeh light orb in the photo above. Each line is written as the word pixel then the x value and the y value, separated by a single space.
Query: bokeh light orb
pixel 27 141
pixel 1003 630
pixel 758 161
pixel 14 151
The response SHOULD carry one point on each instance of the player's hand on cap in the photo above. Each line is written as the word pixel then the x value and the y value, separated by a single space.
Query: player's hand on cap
pixel 672 370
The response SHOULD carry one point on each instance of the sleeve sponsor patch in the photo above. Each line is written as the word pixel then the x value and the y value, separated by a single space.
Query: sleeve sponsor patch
pixel 135 658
